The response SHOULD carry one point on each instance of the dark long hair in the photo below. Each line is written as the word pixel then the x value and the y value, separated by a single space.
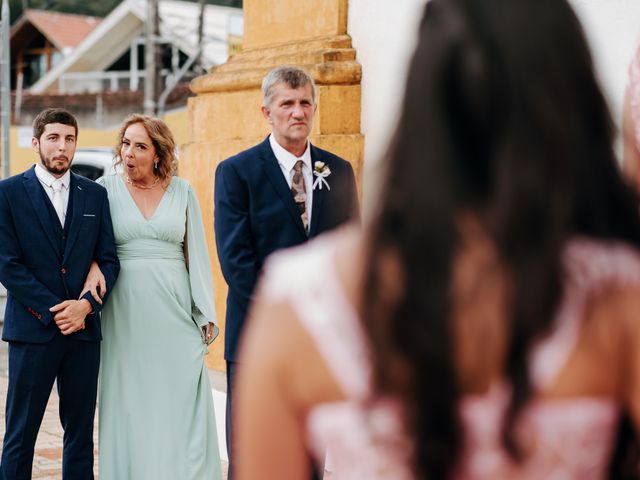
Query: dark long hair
pixel 503 118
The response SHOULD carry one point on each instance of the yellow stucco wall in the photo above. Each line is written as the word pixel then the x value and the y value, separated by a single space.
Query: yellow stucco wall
pixel 23 157
pixel 268 22
pixel 224 118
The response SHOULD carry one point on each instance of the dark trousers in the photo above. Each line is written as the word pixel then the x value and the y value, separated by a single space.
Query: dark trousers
pixel 231 370
pixel 317 471
pixel 33 368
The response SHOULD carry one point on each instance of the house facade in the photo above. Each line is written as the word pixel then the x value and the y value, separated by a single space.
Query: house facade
pixel 97 66
pixel 41 39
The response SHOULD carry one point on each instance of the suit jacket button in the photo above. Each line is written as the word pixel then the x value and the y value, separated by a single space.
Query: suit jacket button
pixel 63 270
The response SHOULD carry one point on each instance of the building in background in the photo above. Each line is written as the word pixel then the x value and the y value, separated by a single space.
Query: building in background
pixel 41 39
pixel 97 66
pixel 112 56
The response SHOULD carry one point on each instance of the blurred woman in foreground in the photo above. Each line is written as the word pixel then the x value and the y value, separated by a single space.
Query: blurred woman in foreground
pixel 485 324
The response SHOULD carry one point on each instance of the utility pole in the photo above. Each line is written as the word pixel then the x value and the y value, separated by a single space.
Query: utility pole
pixel 198 61
pixel 157 51
pixel 151 66
pixel 5 89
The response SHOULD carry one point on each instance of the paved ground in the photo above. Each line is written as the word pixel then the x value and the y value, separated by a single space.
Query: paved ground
pixel 48 456
pixel 47 462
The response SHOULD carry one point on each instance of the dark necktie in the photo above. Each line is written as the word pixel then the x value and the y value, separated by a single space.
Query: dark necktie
pixel 299 192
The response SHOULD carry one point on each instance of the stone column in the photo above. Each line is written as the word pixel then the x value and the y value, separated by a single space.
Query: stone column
pixel 224 118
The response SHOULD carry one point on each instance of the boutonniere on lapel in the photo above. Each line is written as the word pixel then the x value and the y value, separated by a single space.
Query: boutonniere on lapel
pixel 321 171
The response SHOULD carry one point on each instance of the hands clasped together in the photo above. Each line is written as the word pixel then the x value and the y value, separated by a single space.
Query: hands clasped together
pixel 70 315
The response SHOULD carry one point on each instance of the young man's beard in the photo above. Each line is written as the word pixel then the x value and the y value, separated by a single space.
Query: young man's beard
pixel 47 164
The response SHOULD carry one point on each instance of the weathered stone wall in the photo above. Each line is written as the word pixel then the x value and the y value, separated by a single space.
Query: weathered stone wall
pixel 224 118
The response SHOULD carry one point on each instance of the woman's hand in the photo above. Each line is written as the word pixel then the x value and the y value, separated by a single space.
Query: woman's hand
pixel 95 283
pixel 208 333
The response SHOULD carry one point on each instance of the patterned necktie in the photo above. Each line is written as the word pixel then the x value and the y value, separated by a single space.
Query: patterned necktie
pixel 56 199
pixel 299 192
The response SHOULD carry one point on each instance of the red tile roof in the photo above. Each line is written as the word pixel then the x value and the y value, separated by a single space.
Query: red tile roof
pixel 62 29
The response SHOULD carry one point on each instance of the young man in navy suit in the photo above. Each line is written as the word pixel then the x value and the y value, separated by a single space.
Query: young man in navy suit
pixel 275 195
pixel 53 224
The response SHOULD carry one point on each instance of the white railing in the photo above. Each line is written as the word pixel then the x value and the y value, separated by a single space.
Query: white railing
pixel 95 82
pixel 77 82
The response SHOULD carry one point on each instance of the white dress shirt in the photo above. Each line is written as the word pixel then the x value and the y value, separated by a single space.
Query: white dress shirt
pixel 46 179
pixel 287 160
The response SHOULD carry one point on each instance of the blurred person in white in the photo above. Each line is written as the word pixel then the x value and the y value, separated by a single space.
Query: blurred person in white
pixel 631 123
pixel 484 324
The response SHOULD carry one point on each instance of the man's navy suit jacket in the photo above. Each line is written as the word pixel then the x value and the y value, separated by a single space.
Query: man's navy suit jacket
pixel 255 215
pixel 34 270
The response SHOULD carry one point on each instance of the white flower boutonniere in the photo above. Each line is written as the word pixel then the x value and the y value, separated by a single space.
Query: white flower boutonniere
pixel 321 171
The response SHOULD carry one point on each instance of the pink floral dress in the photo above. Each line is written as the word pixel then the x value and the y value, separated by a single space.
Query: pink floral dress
pixel 573 437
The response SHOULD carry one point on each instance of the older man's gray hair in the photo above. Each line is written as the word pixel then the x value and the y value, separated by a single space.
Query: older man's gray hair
pixel 294 77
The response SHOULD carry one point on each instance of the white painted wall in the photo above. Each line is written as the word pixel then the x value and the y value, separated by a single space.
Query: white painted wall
pixel 613 30
pixel 383 34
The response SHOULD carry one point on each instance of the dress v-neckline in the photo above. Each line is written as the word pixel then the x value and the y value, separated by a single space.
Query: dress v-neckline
pixel 135 205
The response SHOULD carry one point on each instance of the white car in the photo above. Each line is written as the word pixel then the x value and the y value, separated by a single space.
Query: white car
pixel 94 162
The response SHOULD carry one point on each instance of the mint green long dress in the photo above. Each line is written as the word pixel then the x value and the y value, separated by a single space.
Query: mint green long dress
pixel 156 418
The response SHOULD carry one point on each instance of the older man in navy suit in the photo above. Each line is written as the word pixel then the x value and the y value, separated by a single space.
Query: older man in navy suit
pixel 275 195
pixel 53 224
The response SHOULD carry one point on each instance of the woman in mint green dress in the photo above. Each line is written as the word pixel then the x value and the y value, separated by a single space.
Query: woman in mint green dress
pixel 156 418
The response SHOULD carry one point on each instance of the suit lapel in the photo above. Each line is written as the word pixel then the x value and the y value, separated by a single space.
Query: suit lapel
pixel 318 194
pixel 274 173
pixel 34 191
pixel 76 214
